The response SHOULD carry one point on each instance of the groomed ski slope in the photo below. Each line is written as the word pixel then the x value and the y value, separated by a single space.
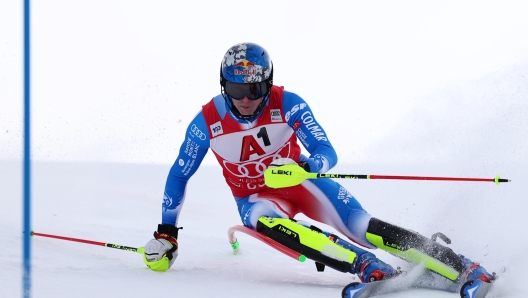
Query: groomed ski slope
pixel 120 204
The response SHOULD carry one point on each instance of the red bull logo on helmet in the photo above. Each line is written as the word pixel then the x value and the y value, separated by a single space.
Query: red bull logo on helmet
pixel 248 68
pixel 245 63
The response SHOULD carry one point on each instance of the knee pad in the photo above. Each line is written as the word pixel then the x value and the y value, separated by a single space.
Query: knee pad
pixel 252 211
pixel 310 242
pixel 415 248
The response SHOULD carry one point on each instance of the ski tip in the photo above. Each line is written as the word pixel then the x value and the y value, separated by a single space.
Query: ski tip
pixel 475 289
pixel 353 290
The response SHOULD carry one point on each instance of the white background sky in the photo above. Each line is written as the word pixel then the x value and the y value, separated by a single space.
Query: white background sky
pixel 406 87
pixel 389 81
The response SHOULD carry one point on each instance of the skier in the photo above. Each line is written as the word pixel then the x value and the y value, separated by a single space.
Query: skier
pixel 252 125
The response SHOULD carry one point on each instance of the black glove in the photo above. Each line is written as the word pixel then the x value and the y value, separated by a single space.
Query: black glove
pixel 167 232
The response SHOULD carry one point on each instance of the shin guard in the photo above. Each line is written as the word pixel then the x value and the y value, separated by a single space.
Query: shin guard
pixel 311 242
pixel 415 248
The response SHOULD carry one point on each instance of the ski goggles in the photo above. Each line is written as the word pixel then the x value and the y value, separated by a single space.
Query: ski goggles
pixel 253 91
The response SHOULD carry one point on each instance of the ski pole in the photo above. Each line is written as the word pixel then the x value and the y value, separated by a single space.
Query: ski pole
pixel 291 175
pixel 139 250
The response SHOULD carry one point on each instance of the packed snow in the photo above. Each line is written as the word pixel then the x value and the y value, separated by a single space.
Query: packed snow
pixel 120 204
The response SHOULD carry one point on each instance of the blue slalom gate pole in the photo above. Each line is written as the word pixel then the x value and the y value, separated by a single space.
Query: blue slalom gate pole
pixel 26 279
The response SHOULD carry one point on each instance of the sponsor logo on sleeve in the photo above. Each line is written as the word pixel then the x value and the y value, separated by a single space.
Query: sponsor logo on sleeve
pixel 296 125
pixel 294 110
pixel 216 129
pixel 167 202
pixel 191 148
pixel 312 127
pixel 302 137
pixel 195 131
pixel 344 195
pixel 308 122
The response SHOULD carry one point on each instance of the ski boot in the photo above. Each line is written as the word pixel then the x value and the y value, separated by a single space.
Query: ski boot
pixel 473 271
pixel 475 280
pixel 369 268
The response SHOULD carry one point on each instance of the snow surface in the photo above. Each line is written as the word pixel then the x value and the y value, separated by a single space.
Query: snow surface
pixel 120 204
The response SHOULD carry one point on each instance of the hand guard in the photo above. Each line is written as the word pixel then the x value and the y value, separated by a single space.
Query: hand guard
pixel 288 161
pixel 161 252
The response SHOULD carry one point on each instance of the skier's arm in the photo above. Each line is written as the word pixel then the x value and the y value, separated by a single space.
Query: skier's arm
pixel 161 252
pixel 192 152
pixel 310 133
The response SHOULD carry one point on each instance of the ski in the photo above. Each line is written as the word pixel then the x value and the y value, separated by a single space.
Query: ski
pixel 398 283
pixel 418 279
pixel 374 288
pixel 475 289
pixel 478 288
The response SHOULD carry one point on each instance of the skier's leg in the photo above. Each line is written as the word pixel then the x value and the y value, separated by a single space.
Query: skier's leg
pixel 338 253
pixel 416 248
pixel 265 203
pixel 327 201
pixel 324 248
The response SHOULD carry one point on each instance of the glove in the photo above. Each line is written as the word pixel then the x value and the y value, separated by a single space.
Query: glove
pixel 161 252
pixel 288 161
